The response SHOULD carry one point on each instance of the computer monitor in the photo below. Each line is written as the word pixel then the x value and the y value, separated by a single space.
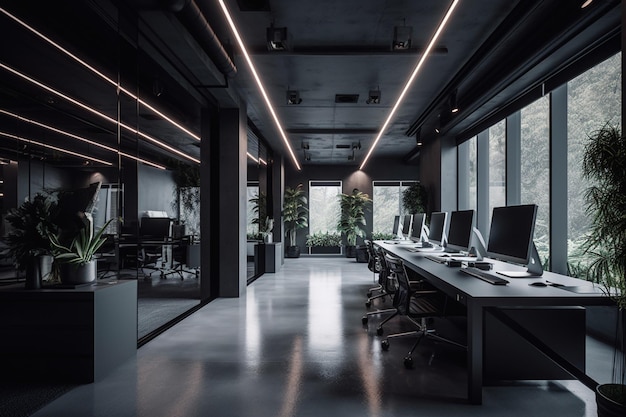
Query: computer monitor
pixel 511 238
pixel 406 226
pixel 437 227
pixel 460 230
pixel 417 231
pixel 396 226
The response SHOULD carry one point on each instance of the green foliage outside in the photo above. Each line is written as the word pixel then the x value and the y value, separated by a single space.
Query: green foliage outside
pixel 326 239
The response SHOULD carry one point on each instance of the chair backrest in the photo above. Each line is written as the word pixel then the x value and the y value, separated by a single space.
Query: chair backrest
pixel 373 263
pixel 402 296
pixel 384 270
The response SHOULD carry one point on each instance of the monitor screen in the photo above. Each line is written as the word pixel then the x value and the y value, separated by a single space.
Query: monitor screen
pixel 396 226
pixel 406 225
pixel 511 233
pixel 418 226
pixel 460 230
pixel 437 227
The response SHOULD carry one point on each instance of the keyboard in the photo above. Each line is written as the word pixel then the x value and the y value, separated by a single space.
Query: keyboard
pixel 438 259
pixel 485 276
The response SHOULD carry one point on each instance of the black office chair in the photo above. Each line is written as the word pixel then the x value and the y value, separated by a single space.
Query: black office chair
pixel 182 246
pixel 422 304
pixel 154 236
pixel 374 265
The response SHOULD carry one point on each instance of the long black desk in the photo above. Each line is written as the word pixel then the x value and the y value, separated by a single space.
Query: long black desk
pixel 480 297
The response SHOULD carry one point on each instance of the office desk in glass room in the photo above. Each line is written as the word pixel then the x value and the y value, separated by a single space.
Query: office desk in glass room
pixel 511 306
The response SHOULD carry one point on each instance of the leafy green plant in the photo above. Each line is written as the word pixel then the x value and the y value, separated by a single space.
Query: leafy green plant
pixel 32 223
pixel 294 212
pixel 604 165
pixel 325 239
pixel 415 198
pixel 352 220
pixel 382 236
pixel 259 208
pixel 82 248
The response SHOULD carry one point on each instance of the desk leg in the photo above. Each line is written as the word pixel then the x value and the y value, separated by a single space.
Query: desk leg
pixel 475 323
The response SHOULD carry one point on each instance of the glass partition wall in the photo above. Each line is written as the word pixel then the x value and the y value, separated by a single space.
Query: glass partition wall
pixel 73 115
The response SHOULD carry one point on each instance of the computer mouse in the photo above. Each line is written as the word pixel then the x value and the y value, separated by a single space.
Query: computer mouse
pixel 538 284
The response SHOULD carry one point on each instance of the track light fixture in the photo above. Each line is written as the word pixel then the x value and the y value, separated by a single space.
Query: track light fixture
pixel 374 97
pixel 293 97
pixel 402 38
pixel 276 39
pixel 356 146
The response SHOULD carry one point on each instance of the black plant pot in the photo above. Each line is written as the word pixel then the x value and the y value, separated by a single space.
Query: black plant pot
pixel 608 407
pixel 292 252
pixel 350 251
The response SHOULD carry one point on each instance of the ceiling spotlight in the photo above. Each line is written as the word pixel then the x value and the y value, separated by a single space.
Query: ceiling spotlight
pixel 454 105
pixel 401 38
pixel 157 87
pixel 293 97
pixel 276 39
pixel 418 136
pixel 374 97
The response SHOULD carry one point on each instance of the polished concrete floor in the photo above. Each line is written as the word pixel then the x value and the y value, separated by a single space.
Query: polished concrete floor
pixel 295 346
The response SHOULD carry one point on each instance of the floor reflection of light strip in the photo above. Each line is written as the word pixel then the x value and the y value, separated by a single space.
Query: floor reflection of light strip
pixel 98 73
pixel 44 145
pixel 97 113
pixel 259 83
pixel 411 78
pixel 91 142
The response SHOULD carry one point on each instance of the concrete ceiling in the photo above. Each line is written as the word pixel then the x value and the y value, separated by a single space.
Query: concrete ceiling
pixel 490 52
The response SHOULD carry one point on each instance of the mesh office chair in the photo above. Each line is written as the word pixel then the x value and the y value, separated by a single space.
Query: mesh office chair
pixel 387 284
pixel 418 306
pixel 154 236
pixel 374 265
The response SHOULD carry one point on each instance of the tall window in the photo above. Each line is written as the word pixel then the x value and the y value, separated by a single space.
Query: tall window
pixel 324 206
pixel 387 203
pixel 497 166
pixel 593 99
pixel 535 168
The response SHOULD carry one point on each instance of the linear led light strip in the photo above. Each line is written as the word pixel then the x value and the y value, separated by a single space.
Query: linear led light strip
pixel 63 132
pixel 259 83
pixel 100 74
pixel 411 78
pixel 44 145
pixel 258 161
pixel 102 115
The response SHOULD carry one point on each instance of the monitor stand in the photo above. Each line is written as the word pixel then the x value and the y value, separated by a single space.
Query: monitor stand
pixel 534 268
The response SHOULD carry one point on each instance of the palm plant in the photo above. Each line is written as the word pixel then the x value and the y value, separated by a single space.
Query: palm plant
pixel 604 164
pixel 294 213
pixel 352 220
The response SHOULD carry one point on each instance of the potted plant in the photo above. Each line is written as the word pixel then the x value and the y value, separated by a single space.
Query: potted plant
pixel 265 229
pixel 352 219
pixel 76 261
pixel 604 164
pixel 294 217
pixel 415 198
pixel 32 223
pixel 324 243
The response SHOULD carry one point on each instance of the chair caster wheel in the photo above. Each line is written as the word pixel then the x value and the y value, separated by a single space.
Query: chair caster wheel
pixel 368 304
pixel 385 345
pixel 408 362
pixel 369 294
pixel 364 320
pixel 379 331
